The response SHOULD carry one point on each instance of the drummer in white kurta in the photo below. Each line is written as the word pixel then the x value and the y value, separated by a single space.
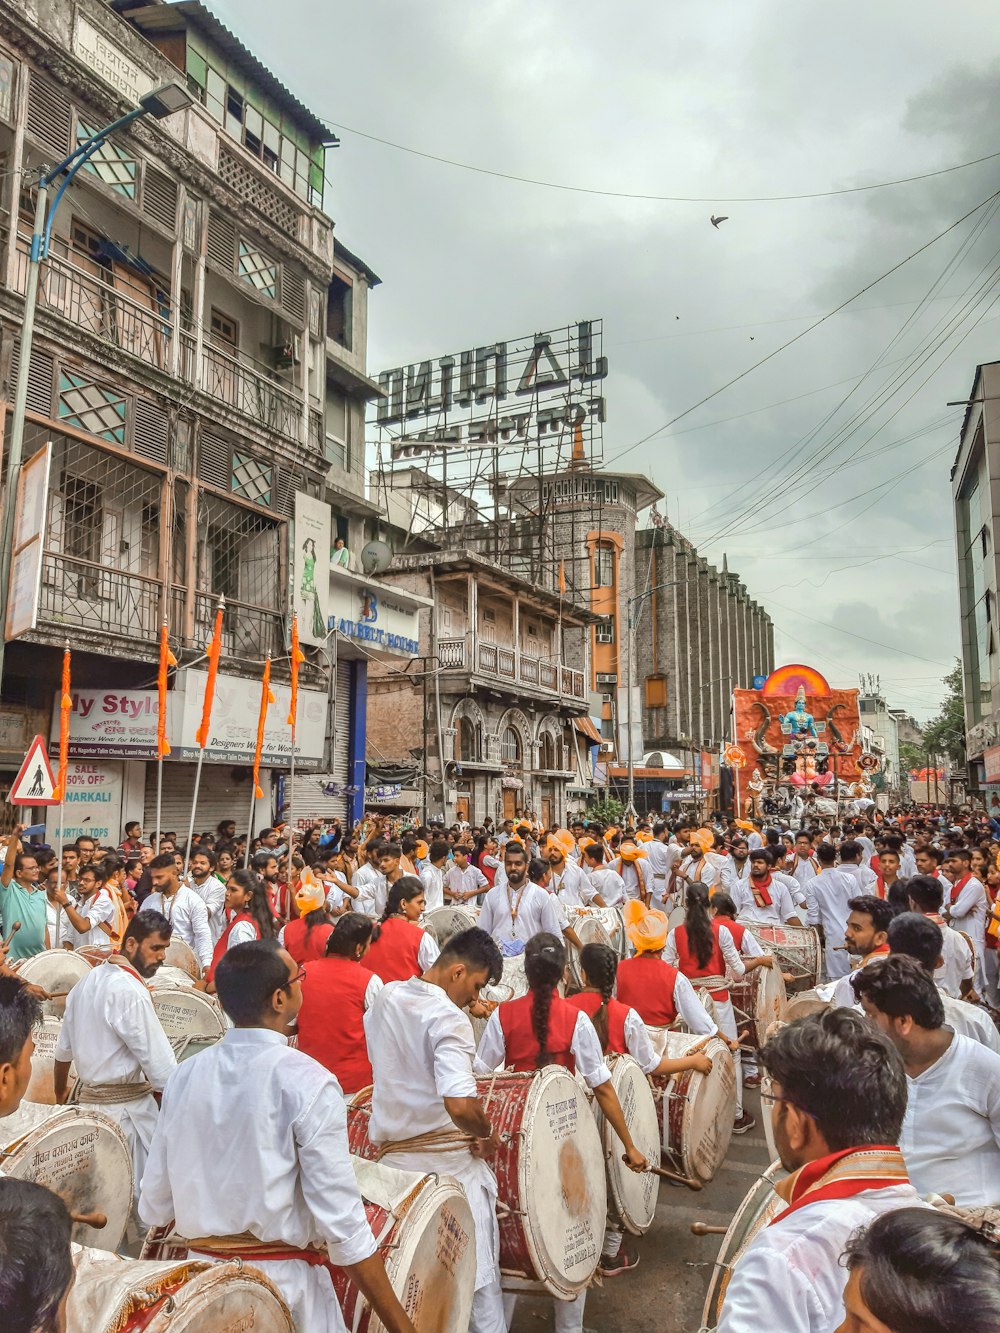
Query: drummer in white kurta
pixel 519 909
pixel 432 875
pixel 568 882
pixel 605 878
pixel 112 1033
pixel 661 856
pixel 421 1047
pixel 828 895
pixel 250 1153
pixel 635 870
pixel 764 897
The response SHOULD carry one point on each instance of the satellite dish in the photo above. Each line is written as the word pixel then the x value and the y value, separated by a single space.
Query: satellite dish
pixel 375 557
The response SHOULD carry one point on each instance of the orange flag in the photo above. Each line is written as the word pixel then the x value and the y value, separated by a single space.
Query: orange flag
pixel 214 651
pixel 65 708
pixel 298 657
pixel 167 660
pixel 266 697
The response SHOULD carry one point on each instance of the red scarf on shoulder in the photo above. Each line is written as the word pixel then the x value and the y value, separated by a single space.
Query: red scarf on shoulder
pixel 759 889
pixel 842 1175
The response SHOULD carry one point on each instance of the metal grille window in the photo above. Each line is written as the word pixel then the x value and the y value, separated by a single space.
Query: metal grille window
pixel 252 478
pixel 7 68
pixel 604 631
pixel 112 163
pixel 238 556
pixel 190 224
pixel 604 567
pixel 258 269
pixel 92 407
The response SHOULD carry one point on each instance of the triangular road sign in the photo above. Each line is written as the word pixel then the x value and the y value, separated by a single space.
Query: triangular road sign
pixel 35 784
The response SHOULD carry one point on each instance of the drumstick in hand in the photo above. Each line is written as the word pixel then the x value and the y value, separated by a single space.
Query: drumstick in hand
pixel 664 1174
pixel 699 1046
pixel 13 931
pixel 95 1220
pixel 703 1229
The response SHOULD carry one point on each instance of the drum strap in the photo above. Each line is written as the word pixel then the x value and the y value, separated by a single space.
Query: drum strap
pixel 437 1140
pixel 111 1094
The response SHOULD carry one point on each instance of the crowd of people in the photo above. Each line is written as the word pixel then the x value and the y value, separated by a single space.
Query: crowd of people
pixel 314 945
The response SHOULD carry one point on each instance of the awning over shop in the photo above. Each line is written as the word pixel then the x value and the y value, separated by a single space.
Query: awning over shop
pixel 586 727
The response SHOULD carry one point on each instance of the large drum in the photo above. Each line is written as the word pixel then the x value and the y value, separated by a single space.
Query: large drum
pixel 759 1000
pixel 550 1175
pixel 803 1003
pixel 590 931
pixel 56 971
pixel 631 1195
pixel 514 978
pixel 613 921
pixel 757 1209
pixel 695 1111
pixel 441 923
pixel 80 1155
pixel 179 954
pixel 113 1295
pixel 171 978
pixel 796 948
pixel 191 1019
pixel 41 1086
pixel 426 1235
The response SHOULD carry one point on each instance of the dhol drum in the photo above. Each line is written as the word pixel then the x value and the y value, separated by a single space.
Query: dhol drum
pixel 803 1003
pixel 56 971
pixel 695 1111
pixel 590 931
pixel 796 948
pixel 490 996
pixel 631 1195
pixel 80 1155
pixel 676 916
pixel 513 976
pixel 179 954
pixel 757 1209
pixel 171 978
pixel 553 1196
pixel 41 1086
pixel 191 1019
pixel 113 1295
pixel 613 921
pixel 759 999
pixel 441 923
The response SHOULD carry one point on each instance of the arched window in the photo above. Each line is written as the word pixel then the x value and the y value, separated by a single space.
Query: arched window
pixel 510 746
pixel 468 741
pixel 548 756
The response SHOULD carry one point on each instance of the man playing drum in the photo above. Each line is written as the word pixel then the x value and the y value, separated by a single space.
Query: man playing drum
pixel 955 975
pixel 518 909
pixel 568 882
pixel 828 895
pixel 656 990
pixel 426 1112
pixel 837 1098
pixel 112 1032
pixel 765 896
pixel 250 1159
pixel 867 939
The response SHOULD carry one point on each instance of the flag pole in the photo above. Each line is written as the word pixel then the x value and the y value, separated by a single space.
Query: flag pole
pixel 297 658
pixel 167 660
pixel 214 652
pixel 64 711
pixel 266 697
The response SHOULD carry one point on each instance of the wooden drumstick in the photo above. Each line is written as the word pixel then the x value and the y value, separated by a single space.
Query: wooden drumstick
pixel 699 1046
pixel 664 1174
pixel 95 1220
pixel 13 931
pixel 703 1229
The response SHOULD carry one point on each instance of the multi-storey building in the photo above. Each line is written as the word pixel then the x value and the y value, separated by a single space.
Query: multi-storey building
pixel 198 360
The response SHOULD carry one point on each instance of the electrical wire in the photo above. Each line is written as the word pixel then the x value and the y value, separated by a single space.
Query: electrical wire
pixel 877 643
pixel 655 198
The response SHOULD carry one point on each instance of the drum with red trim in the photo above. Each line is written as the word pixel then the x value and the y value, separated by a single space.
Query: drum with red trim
pixel 41 1085
pixel 759 999
pixel 56 971
pixel 80 1155
pixel 695 1111
pixel 441 923
pixel 796 948
pixel 551 1185
pixel 114 1295
pixel 760 1206
pixel 589 930
pixel 631 1194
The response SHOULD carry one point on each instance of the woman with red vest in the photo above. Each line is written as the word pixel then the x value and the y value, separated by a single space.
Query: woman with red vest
pixel 247 917
pixel 539 1029
pixel 337 991
pixel 656 990
pixel 305 938
pixel 400 949
pixel 704 947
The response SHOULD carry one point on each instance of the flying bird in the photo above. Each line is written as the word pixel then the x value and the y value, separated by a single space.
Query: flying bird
pixel 715 221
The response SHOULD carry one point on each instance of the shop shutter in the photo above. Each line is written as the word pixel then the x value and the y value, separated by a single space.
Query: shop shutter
pixel 220 796
pixel 311 805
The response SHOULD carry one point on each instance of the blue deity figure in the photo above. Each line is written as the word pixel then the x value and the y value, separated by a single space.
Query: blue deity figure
pixel 799 720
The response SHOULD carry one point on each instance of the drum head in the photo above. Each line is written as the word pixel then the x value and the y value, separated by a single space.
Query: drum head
pixel 183 956
pixel 632 1197
pixel 196 1296
pixel 41 1087
pixel 431 1262
pixel 55 970
pixel 188 1013
pixel 444 922
pixel 676 917
pixel 796 947
pixel 771 999
pixel 706 1122
pixel 83 1157
pixel 561 1182
pixel 513 976
pixel 805 1002
pixel 171 978
pixel 753 1214
pixel 590 931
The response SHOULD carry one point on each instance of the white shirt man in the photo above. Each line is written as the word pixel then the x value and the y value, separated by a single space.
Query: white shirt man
pixel 968 1020
pixel 780 909
pixel 967 911
pixel 510 913
pixel 805 866
pixel 864 877
pixel 432 878
pixel 99 909
pixel 827 898
pixel 112 1033
pixel 571 886
pixel 661 857
pixel 212 892
pixel 735 874
pixel 700 870
pixel 465 879
pixel 636 876
pixel 188 916
pixel 372 890
pixel 607 882
pixel 754 840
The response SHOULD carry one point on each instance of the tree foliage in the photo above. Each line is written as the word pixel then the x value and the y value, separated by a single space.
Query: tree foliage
pixel 606 812
pixel 945 734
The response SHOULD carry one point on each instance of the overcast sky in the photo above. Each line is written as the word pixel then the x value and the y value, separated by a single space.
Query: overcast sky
pixel 733 98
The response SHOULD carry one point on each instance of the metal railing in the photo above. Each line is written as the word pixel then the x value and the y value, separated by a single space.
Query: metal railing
pixel 91 596
pixel 251 393
pixel 492 660
pixel 247 631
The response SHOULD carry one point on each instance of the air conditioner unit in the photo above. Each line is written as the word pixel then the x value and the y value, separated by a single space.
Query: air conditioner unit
pixel 607 747
pixel 288 353
pixel 607 678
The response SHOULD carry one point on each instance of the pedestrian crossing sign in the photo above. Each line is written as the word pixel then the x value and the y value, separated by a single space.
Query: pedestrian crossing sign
pixel 35 784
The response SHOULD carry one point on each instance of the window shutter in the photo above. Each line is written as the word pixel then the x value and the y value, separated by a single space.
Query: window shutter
pixel 215 460
pixel 221 242
pixel 48 115
pixel 149 430
pixel 159 197
pixel 39 380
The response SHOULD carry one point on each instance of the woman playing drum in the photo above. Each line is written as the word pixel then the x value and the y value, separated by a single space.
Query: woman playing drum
pixel 621 1031
pixel 400 948
pixel 337 991
pixel 540 1029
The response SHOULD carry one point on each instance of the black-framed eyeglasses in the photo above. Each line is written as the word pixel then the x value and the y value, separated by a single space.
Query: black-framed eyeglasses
pixel 299 976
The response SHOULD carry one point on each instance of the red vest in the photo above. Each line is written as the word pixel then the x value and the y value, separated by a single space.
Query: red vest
pixel 688 963
pixel 223 942
pixel 590 1002
pixel 393 956
pixel 646 984
pixel 737 930
pixel 306 949
pixel 520 1042
pixel 331 1020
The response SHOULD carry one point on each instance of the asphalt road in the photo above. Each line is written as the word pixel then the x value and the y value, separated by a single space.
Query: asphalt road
pixel 665 1294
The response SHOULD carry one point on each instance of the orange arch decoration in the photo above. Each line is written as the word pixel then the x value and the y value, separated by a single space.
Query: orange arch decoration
pixel 789 679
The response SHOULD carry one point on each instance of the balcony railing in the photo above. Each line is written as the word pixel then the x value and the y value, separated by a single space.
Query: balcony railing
pixel 490 660
pixel 250 393
pixel 90 596
pixel 247 631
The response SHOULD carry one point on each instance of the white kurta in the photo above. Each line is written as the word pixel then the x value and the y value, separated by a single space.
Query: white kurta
pixel 956 959
pixel 700 870
pixel 951 1132
pixel 827 896
pixel 112 1033
pixel 864 878
pixel 790 1279
pixel 98 908
pixel 421 1048
pixel 372 891
pixel 968 1020
pixel 213 894
pixel 661 858
pixel 189 917
pixel 780 909
pixel 510 914
pixel 432 878
pixel 968 913
pixel 572 887
pixel 735 875
pixel 609 884
pixel 469 880
pixel 585 1047
pixel 252 1137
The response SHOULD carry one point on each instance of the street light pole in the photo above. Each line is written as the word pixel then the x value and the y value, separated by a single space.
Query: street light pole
pixel 630 602
pixel 163 101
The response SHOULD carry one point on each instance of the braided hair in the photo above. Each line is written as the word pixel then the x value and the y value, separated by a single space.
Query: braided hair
pixel 257 907
pixel 600 967
pixel 701 936
pixel 405 889
pixel 544 964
